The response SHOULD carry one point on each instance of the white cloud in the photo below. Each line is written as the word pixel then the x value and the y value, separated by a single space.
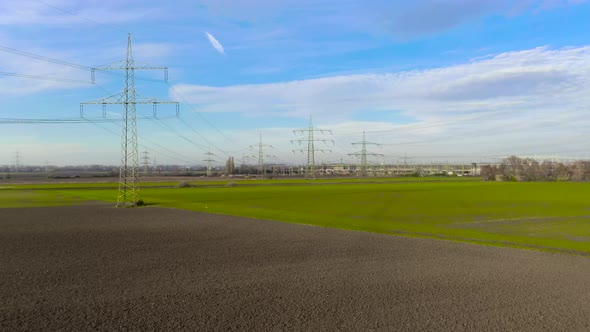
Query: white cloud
pixel 215 43
pixel 520 79
pixel 503 102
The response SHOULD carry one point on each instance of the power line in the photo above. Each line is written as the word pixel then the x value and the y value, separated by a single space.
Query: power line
pixel 161 149
pixel 200 115
pixel 62 120
pixel 104 101
pixel 158 121
pixel 447 138
pixel 45 78
pixel 414 127
pixel 171 153
pixel 41 57
pixel 69 64
pixel 70 13
pixel 52 121
pixel 201 136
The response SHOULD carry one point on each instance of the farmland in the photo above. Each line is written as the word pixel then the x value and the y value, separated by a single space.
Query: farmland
pixel 71 261
pixel 543 216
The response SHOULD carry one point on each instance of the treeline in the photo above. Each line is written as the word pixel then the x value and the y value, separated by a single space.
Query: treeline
pixel 527 169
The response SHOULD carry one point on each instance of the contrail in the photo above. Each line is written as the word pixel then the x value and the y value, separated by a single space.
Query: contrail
pixel 216 44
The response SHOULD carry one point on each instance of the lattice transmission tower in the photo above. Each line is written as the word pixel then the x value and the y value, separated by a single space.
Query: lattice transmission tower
pixel 310 138
pixel 146 163
pixel 364 153
pixel 261 156
pixel 128 195
pixel 17 161
pixel 209 161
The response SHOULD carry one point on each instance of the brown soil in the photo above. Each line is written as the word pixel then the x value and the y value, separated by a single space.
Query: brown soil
pixel 99 268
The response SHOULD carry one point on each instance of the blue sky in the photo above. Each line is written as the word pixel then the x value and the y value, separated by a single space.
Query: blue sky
pixel 431 79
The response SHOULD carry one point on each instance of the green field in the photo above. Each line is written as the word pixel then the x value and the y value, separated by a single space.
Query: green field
pixel 244 182
pixel 545 216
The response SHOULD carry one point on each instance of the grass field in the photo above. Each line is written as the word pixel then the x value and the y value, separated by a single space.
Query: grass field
pixel 246 182
pixel 546 216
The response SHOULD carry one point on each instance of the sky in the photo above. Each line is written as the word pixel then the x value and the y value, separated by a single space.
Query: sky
pixel 429 80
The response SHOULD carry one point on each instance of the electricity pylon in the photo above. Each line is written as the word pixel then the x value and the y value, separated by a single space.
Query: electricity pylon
pixel 363 153
pixel 17 161
pixel 146 162
pixel 311 148
pixel 128 195
pixel 209 161
pixel 261 156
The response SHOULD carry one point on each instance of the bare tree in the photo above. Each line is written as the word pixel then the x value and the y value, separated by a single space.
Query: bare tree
pixel 489 172
pixel 528 169
pixel 229 166
pixel 563 172
pixel 511 169
pixel 548 170
pixel 580 171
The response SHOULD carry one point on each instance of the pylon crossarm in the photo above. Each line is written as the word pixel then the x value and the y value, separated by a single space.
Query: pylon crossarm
pixel 116 102
pixel 146 102
pixel 124 66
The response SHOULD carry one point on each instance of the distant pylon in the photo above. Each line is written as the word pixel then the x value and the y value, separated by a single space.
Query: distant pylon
pixel 261 156
pixel 17 162
pixel 146 163
pixel 209 161
pixel 311 148
pixel 128 195
pixel 363 154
